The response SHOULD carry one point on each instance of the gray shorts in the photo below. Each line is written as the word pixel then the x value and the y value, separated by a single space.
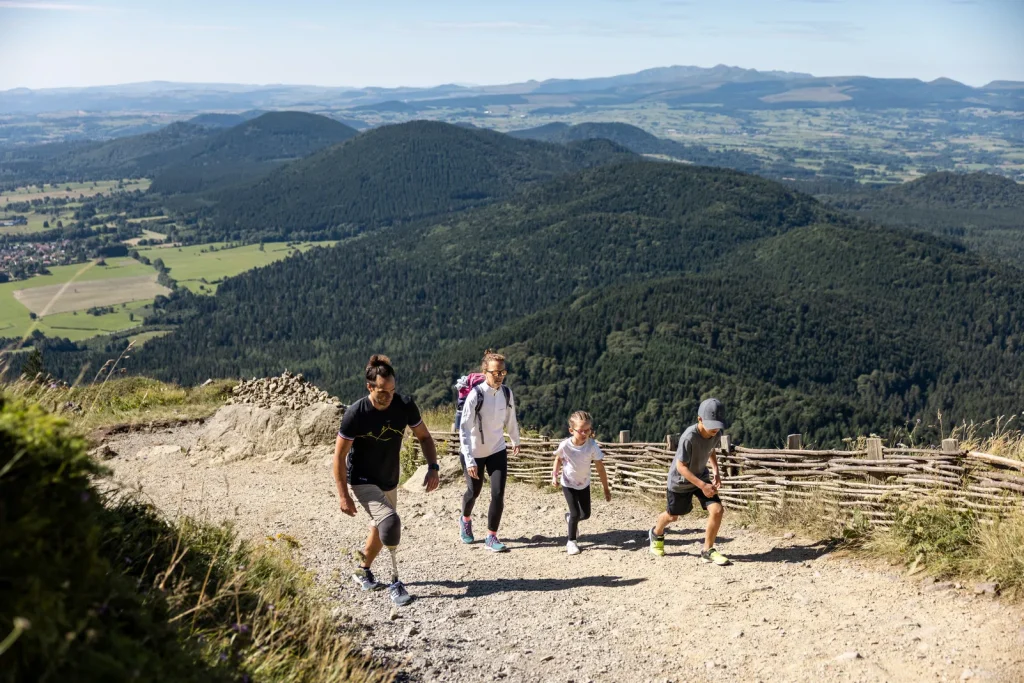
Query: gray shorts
pixel 378 504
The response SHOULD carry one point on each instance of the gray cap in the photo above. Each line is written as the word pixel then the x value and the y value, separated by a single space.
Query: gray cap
pixel 712 413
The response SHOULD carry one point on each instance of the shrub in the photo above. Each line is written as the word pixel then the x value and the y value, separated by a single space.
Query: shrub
pixel 98 587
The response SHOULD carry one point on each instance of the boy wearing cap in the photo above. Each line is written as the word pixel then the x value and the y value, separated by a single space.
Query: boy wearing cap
pixel 689 476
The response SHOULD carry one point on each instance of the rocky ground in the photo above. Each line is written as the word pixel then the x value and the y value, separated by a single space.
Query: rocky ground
pixel 786 610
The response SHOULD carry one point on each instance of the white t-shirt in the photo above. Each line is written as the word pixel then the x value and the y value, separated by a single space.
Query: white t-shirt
pixel 576 462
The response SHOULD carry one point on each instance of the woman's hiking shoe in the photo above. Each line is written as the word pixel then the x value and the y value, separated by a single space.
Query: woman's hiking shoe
pixel 714 557
pixel 466 530
pixel 364 577
pixel 657 543
pixel 494 545
pixel 398 594
pixel 571 548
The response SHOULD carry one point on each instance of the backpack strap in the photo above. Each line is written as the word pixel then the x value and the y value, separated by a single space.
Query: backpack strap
pixel 478 390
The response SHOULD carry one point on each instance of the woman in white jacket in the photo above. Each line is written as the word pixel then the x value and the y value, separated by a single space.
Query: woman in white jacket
pixel 489 412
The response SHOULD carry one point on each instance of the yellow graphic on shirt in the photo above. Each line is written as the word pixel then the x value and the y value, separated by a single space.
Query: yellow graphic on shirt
pixel 387 432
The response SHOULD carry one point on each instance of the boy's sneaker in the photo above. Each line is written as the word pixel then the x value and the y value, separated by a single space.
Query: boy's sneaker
pixel 494 545
pixel 657 543
pixel 572 548
pixel 398 594
pixel 714 557
pixel 364 577
pixel 466 530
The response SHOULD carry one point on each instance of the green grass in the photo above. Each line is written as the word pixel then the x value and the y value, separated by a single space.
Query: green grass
pixel 77 327
pixel 947 542
pixel 190 265
pixel 14 317
pixel 35 222
pixel 60 190
pixel 99 587
pixel 143 337
pixel 123 400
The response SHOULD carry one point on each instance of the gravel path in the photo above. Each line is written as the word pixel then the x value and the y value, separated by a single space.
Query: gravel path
pixel 785 610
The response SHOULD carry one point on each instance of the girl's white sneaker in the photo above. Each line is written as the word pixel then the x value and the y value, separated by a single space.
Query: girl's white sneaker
pixel 572 548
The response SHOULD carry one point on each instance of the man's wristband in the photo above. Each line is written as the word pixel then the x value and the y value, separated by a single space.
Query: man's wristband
pixel 433 466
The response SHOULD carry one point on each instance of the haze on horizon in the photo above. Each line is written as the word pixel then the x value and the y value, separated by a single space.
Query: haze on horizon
pixel 75 43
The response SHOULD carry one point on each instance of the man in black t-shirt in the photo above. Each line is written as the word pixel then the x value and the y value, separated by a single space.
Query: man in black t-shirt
pixel 369 443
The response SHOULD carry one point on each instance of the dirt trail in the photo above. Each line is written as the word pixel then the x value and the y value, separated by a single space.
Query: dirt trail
pixel 785 611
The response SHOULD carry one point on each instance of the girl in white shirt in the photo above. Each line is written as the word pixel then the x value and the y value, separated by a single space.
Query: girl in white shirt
pixel 572 458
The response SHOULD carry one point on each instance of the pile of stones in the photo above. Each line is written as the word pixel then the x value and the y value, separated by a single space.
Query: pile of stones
pixel 288 391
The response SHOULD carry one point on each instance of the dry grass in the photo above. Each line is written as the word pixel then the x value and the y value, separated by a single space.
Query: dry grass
pixel 129 400
pixel 1001 436
pixel 818 517
pixel 927 537
pixel 251 608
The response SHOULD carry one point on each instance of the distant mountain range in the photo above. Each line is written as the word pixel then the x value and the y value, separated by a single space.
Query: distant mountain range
pixel 682 86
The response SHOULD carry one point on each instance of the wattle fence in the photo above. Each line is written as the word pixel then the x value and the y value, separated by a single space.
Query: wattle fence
pixel 869 481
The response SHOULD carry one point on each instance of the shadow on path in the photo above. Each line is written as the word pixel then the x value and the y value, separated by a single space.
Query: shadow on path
pixel 629 539
pixel 476 588
pixel 790 554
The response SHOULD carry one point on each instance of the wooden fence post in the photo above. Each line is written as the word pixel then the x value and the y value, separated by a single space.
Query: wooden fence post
pixel 672 441
pixel 874 448
pixel 950 446
pixel 723 449
pixel 624 436
pixel 794 442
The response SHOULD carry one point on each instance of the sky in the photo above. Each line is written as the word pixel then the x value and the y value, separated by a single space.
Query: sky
pixel 62 43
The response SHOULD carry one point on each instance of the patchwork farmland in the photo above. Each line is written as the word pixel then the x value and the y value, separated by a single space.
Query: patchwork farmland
pixel 57 304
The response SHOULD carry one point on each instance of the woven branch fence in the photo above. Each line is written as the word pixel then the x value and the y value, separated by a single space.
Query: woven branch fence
pixel 868 482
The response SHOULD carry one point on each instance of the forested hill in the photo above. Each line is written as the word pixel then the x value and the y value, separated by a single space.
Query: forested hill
pixel 185 156
pixel 633 290
pixel 983 210
pixel 640 141
pixel 959 190
pixel 248 150
pixel 137 155
pixel 392 174
pixel 829 331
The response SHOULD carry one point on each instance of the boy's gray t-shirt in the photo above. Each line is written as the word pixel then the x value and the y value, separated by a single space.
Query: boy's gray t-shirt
pixel 694 451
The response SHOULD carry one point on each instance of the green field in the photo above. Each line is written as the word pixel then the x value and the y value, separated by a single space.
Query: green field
pixel 14 317
pixel 143 337
pixel 71 190
pixel 189 266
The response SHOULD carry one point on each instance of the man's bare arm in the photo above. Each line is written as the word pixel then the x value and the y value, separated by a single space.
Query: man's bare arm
pixel 341 449
pixel 422 434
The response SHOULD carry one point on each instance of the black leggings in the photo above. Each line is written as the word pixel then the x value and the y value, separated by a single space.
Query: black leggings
pixel 496 467
pixel 579 507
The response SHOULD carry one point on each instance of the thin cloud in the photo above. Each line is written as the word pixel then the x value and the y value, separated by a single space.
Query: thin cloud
pixel 487 26
pixel 201 27
pixel 49 6
pixel 827 31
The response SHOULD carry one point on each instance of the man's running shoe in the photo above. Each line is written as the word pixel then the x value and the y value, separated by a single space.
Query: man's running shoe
pixel 398 594
pixel 657 543
pixel 715 557
pixel 364 577
pixel 466 530
pixel 494 545
pixel 571 548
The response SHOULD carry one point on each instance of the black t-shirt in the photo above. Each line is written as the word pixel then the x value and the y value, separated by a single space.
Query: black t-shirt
pixel 377 440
